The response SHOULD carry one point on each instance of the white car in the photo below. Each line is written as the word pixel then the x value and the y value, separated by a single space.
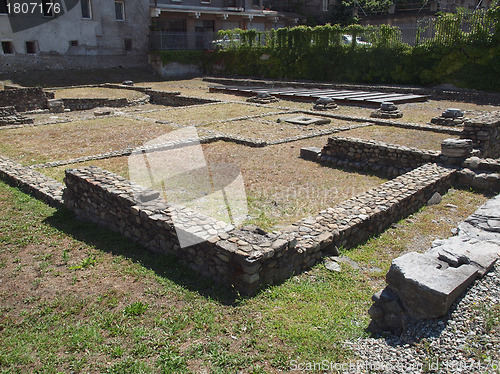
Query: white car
pixel 347 39
pixel 225 42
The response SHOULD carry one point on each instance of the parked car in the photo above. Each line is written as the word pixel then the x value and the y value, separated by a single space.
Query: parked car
pixel 225 42
pixel 347 39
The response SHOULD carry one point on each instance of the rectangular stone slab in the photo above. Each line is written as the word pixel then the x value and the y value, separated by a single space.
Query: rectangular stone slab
pixel 459 249
pixel 426 286
pixel 305 121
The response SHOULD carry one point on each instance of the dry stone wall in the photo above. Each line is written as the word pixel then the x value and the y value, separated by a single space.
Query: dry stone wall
pixel 31 182
pixel 90 103
pixel 24 99
pixel 10 116
pixel 138 213
pixel 370 155
pixel 485 134
pixel 175 99
pixel 248 258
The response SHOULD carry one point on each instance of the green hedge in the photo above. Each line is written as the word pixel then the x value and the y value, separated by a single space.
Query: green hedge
pixel 467 59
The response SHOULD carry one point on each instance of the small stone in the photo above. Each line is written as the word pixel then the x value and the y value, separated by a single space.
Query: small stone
pixel 333 265
pixel 435 199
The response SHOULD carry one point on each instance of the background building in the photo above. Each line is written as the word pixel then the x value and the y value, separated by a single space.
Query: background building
pixel 74 34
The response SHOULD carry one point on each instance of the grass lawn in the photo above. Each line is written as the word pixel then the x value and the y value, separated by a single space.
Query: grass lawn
pixel 30 145
pixel 97 93
pixel 207 113
pixel 76 297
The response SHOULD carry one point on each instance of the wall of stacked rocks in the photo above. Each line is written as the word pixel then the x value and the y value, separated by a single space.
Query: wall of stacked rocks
pixel 10 116
pixel 352 222
pixel 139 214
pixel 485 134
pixel 247 258
pixel 24 99
pixel 175 99
pixel 371 155
pixel 90 103
pixel 31 182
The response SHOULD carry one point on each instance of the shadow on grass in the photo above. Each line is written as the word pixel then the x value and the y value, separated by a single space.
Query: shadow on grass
pixel 166 266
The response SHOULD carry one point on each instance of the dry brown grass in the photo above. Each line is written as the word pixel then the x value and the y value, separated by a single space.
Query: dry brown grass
pixel 281 187
pixel 117 165
pixel 395 135
pixel 62 141
pixel 207 113
pixel 413 112
pixel 268 128
pixel 97 93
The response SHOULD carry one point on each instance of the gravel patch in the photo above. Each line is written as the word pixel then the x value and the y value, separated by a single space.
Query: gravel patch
pixel 466 340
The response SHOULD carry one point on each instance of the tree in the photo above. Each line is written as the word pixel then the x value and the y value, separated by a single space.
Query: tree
pixel 343 11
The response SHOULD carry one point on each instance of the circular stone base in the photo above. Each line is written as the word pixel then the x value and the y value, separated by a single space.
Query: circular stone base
pixel 331 106
pixel 443 121
pixel 386 114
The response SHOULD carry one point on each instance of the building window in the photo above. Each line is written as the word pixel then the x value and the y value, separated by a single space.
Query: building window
pixel 3 7
pixel 7 48
pixel 86 9
pixel 73 43
pixel 31 48
pixel 48 8
pixel 120 10
pixel 128 44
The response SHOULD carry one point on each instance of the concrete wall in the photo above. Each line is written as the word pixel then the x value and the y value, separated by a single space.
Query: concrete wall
pixel 101 35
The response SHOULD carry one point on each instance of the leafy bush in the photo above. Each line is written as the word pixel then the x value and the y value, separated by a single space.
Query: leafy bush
pixel 469 58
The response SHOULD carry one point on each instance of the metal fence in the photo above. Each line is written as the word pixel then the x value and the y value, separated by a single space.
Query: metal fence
pixel 164 40
pixel 425 28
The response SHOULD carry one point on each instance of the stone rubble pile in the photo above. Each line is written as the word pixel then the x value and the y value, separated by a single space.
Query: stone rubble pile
pixel 263 98
pixel 325 103
pixel 450 117
pixel 424 286
pixel 387 110
pixel 10 116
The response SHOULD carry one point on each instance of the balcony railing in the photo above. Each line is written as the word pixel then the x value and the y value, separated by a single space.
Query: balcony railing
pixel 234 5
pixel 164 40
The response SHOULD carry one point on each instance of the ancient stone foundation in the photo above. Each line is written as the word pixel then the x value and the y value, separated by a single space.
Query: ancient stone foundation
pixel 371 155
pixel 450 117
pixel 31 182
pixel 90 103
pixel 10 116
pixel 24 99
pixel 424 286
pixel 484 131
pixel 248 258
pixel 175 98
